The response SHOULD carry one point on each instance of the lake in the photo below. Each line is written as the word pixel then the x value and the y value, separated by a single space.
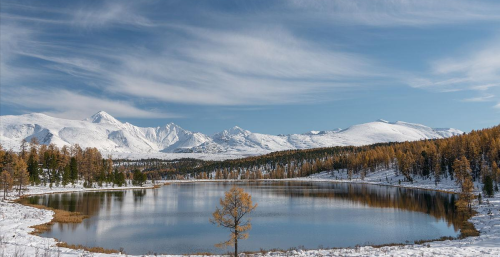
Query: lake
pixel 174 219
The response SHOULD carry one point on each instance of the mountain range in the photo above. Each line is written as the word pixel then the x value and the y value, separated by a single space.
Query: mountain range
pixel 109 135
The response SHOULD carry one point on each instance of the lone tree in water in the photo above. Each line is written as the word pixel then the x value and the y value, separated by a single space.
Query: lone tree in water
pixel 236 204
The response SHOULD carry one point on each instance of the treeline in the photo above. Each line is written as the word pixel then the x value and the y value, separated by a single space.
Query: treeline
pixel 49 165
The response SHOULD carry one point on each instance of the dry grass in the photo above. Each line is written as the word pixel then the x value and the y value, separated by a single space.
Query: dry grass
pixel 468 230
pixel 86 248
pixel 60 216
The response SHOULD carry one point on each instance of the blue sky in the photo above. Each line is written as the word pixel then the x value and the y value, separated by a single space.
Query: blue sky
pixel 267 66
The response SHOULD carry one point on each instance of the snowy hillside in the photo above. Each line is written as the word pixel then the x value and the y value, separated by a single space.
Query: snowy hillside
pixel 110 135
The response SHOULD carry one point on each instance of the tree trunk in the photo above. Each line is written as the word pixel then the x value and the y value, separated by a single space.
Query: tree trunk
pixel 236 241
pixel 236 246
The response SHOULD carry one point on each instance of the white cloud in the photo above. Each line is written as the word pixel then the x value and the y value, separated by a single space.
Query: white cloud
pixel 109 14
pixel 478 70
pixel 485 98
pixel 240 68
pixel 398 12
pixel 66 104
pixel 262 65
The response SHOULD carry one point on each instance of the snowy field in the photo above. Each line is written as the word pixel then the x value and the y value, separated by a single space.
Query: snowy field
pixel 16 219
pixel 176 156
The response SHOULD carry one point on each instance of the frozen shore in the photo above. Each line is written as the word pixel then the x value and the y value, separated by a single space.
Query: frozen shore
pixel 16 220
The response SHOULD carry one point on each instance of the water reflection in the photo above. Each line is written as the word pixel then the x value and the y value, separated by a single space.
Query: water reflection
pixel 174 219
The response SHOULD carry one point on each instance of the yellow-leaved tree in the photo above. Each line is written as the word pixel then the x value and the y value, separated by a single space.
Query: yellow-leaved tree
pixel 6 182
pixel 463 178
pixel 235 205
pixel 21 175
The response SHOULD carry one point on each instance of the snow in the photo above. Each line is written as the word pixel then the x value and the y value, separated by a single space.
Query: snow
pixel 15 220
pixel 111 136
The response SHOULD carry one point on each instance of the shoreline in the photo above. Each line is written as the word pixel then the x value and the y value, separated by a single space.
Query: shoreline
pixel 387 248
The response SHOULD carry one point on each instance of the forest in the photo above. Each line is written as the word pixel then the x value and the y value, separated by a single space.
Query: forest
pixel 39 164
pixel 426 158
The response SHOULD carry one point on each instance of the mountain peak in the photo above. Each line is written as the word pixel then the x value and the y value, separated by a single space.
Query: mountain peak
pixel 237 130
pixel 103 117
pixel 382 120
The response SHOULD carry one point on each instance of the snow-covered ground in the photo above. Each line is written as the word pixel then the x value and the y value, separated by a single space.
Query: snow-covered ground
pixel 16 219
pixel 387 178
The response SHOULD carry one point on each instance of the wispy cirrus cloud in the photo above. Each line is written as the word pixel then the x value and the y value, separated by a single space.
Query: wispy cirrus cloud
pixel 110 13
pixel 240 68
pixel 75 105
pixel 485 98
pixel 250 66
pixel 382 13
pixel 476 70
pixel 132 54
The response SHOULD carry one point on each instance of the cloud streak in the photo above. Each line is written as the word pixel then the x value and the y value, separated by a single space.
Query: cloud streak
pixel 478 70
pixel 110 13
pixel 392 13
pixel 239 68
pixel 66 104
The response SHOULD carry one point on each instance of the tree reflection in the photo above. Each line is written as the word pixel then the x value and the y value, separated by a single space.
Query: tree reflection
pixel 436 204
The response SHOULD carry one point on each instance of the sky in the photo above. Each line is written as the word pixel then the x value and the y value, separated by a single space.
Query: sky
pixel 275 67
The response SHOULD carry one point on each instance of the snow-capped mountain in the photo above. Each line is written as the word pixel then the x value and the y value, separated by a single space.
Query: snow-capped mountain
pixel 110 135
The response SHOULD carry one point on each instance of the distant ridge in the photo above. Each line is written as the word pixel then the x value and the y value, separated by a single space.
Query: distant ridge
pixel 109 135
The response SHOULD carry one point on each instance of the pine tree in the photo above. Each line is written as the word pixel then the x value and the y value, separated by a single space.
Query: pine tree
pixel 488 186
pixel 139 178
pixel 33 168
pixel 66 178
pixel 119 178
pixel 73 170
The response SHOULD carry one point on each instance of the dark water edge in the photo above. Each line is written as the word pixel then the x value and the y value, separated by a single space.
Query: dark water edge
pixel 174 219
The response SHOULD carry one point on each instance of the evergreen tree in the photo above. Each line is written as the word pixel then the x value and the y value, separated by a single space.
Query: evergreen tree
pixel 119 178
pixel 66 178
pixel 139 178
pixel 488 186
pixel 73 170
pixel 33 169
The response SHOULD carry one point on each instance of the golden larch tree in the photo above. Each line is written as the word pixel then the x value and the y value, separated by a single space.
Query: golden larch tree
pixel 236 204
pixel 463 178
pixel 21 175
pixel 6 182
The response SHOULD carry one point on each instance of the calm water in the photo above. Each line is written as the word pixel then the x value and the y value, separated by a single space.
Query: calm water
pixel 174 218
